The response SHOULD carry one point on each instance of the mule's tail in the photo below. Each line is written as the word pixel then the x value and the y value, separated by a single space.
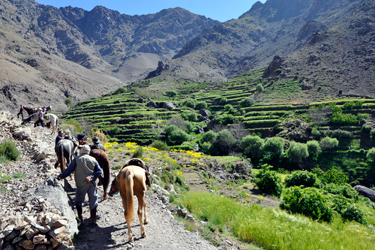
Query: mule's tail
pixel 56 124
pixel 106 172
pixel 129 185
pixel 62 158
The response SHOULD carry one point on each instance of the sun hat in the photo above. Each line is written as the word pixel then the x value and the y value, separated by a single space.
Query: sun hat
pixel 80 137
pixel 85 149
pixel 95 140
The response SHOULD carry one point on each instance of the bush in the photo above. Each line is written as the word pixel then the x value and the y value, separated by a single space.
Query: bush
pixel 68 101
pixel 210 136
pixel 207 148
pixel 224 142
pixel 315 133
pixel 297 152
pixel 191 103
pixel 252 146
pixel 192 117
pixel 333 176
pixel 201 105
pixel 177 121
pixel 190 127
pixel 223 101
pixel 300 178
pixel 226 119
pixel 328 143
pixel 344 189
pixel 274 147
pixel 138 153
pixel 160 145
pixel 370 155
pixel 170 93
pixel 8 149
pixel 178 136
pixel 169 129
pixel 313 148
pixel 372 134
pixel 366 129
pixel 309 202
pixel 247 102
pixel 351 212
pixel 348 105
pixel 259 88
pixel 228 107
pixel 338 133
pixel 119 91
pixel 269 182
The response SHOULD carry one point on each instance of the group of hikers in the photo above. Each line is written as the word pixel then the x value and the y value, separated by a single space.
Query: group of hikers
pixel 41 113
pixel 86 172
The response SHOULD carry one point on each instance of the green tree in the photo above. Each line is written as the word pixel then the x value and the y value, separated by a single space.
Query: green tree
pixel 210 136
pixel 191 103
pixel 170 93
pixel 329 143
pixel 68 101
pixel 269 182
pixel 259 88
pixel 247 102
pixel 178 136
pixel 252 146
pixel 274 147
pixel 300 178
pixel 224 142
pixel 313 148
pixel 297 152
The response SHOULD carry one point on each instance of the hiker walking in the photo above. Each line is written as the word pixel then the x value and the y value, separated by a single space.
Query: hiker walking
pixel 20 112
pixel 40 118
pixel 87 170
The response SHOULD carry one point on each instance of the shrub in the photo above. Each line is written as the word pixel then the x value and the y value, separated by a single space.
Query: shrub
pixel 190 127
pixel 344 189
pixel 119 91
pixel 160 145
pixel 315 133
pixel 297 152
pixel 178 136
pixel 351 212
pixel 348 105
pixel 328 143
pixel 138 153
pixel 300 178
pixel 228 107
pixel 278 71
pixel 207 148
pixel 259 88
pixel 68 101
pixel 359 104
pixel 210 136
pixel 308 201
pixel 224 142
pixel 226 119
pixel 269 182
pixel 170 93
pixel 252 146
pixel 192 117
pixel 372 133
pixel 334 176
pixel 8 149
pixel 191 103
pixel 313 148
pixel 201 105
pixel 338 133
pixel 177 121
pixel 371 155
pixel 169 129
pixel 247 102
pixel 223 101
pixel 274 147
pixel 366 129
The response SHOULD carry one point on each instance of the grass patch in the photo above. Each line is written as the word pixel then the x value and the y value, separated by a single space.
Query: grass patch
pixel 276 229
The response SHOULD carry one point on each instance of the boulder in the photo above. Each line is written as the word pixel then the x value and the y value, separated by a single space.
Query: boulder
pixel 169 105
pixel 211 124
pixel 55 194
pixel 199 130
pixel 365 191
pixel 203 112
pixel 151 104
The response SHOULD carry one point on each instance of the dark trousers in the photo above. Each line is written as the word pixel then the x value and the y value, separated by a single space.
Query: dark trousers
pixel 39 121
pixel 20 113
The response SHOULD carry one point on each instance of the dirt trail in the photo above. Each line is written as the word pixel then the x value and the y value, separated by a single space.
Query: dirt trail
pixel 163 232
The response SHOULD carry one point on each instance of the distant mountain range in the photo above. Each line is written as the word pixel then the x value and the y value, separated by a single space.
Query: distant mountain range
pixel 49 54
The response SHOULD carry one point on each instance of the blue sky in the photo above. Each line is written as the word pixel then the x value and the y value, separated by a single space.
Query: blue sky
pixel 221 10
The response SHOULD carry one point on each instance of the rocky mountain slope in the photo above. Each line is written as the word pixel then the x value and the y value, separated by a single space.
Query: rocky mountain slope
pixel 48 54
pixel 331 41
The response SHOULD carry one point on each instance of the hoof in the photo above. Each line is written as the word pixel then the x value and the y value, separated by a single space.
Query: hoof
pixel 143 235
pixel 146 222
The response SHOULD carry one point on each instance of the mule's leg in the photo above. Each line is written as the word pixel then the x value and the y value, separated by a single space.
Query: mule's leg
pixel 128 219
pixel 141 205
pixel 144 206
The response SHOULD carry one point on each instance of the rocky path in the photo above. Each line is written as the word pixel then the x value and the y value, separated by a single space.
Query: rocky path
pixel 36 165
